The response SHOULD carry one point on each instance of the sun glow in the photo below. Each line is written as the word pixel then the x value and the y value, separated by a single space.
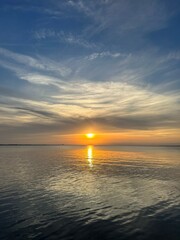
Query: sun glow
pixel 90 135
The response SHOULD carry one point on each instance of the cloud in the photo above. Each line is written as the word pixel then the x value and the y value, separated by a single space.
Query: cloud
pixel 105 89
pixel 21 59
pixel 116 21
pixel 107 104
pixel 124 16
pixel 11 60
pixel 119 16
pixel 105 54
pixel 64 37
pixel 39 70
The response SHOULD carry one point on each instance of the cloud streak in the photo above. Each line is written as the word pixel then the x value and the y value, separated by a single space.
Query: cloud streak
pixel 113 105
pixel 67 38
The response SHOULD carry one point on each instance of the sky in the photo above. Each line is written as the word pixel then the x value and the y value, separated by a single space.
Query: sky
pixel 69 67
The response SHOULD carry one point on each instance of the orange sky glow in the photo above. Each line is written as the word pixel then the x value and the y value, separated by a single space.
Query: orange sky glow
pixel 133 137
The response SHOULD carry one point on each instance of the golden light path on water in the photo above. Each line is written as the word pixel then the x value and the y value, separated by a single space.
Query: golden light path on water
pixel 90 156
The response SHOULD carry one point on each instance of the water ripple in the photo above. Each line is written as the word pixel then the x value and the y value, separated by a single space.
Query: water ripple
pixel 114 193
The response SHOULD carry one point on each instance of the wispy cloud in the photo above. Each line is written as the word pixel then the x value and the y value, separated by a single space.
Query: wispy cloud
pixel 112 15
pixel 81 102
pixel 105 54
pixel 64 37
pixel 23 64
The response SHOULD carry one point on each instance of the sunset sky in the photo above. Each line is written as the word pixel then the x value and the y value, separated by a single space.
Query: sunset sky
pixel 110 67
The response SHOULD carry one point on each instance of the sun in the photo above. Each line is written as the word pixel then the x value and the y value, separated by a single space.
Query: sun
pixel 90 135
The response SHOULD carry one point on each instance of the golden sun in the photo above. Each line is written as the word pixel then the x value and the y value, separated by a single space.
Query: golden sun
pixel 90 135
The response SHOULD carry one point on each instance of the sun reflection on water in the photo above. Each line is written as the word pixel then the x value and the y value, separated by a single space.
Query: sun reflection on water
pixel 90 156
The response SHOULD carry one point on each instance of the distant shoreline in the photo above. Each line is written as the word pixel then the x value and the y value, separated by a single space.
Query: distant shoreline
pixel 60 145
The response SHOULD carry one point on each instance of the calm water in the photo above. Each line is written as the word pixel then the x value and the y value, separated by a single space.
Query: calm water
pixel 89 193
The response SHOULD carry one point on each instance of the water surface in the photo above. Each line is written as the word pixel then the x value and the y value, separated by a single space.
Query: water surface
pixel 65 192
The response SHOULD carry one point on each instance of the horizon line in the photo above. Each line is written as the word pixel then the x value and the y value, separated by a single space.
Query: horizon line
pixel 61 144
